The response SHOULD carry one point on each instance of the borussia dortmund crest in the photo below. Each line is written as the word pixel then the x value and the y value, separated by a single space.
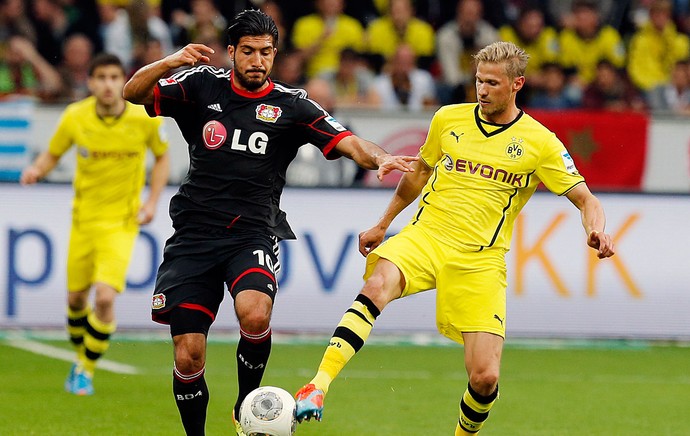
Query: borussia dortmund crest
pixel 514 150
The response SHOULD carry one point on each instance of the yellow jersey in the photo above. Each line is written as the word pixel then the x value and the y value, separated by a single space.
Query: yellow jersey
pixel 584 54
pixel 111 159
pixel 345 32
pixel 484 173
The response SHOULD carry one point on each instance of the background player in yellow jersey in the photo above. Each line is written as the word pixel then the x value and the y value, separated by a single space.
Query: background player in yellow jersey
pixel 111 136
pixel 480 164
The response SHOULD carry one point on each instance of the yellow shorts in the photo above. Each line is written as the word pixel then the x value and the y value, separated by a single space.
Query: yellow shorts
pixel 470 286
pixel 100 253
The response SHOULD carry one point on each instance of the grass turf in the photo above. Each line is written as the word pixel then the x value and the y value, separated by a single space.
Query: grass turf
pixel 386 390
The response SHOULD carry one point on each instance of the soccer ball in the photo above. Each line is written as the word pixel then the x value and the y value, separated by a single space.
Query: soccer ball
pixel 268 411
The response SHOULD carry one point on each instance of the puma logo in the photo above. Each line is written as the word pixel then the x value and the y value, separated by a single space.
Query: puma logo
pixel 456 136
pixel 499 319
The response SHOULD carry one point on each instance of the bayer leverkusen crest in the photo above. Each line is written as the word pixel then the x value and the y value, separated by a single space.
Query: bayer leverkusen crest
pixel 268 113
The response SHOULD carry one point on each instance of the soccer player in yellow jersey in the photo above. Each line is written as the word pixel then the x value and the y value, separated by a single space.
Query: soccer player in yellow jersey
pixel 480 164
pixel 111 136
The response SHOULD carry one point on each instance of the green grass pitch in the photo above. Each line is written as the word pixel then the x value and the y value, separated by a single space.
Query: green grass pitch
pixel 597 388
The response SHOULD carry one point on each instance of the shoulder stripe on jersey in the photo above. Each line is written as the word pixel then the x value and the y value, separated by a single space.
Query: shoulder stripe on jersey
pixel 218 72
pixel 295 91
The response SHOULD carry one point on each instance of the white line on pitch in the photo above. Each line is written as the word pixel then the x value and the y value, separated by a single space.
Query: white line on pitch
pixel 62 354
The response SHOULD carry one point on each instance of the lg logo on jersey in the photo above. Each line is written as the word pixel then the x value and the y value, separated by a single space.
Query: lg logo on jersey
pixel 215 135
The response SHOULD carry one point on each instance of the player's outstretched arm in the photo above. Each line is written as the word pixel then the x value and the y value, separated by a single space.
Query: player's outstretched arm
pixel 372 157
pixel 139 89
pixel 43 164
pixel 593 220
pixel 407 191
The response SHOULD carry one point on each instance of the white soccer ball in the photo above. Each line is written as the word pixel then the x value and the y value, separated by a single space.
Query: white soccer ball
pixel 268 411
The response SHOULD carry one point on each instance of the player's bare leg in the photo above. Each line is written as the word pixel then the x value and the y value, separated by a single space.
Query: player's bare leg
pixel 383 286
pixel 482 362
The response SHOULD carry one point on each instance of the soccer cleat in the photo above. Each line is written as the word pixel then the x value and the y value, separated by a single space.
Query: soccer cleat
pixel 82 384
pixel 309 403
pixel 70 378
pixel 238 427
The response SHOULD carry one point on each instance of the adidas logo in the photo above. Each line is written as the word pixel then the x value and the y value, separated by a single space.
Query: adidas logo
pixel 215 107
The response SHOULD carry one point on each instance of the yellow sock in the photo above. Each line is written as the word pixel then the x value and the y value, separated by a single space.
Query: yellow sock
pixel 76 326
pixel 96 341
pixel 350 335
pixel 474 410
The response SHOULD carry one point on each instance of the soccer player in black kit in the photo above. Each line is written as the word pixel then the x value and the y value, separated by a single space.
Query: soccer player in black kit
pixel 243 130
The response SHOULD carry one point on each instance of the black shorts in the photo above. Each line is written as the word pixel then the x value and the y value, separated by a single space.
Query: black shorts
pixel 198 263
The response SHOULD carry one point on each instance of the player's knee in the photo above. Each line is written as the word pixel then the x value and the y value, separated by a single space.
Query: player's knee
pixel 255 321
pixel 484 382
pixel 189 357
pixel 378 292
pixel 103 303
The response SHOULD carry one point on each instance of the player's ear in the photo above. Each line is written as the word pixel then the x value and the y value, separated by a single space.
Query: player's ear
pixel 518 83
pixel 231 52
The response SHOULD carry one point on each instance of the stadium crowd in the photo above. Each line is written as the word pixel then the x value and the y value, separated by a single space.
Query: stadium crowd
pixel 622 55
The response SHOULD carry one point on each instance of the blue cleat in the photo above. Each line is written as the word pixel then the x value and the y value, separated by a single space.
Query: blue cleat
pixel 82 384
pixel 70 378
pixel 309 403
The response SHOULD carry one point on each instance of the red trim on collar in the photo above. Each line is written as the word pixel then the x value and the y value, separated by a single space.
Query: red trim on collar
pixel 249 94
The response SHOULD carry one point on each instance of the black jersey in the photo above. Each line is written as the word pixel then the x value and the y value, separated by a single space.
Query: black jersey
pixel 240 145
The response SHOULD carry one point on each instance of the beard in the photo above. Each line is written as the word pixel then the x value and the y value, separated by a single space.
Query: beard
pixel 251 83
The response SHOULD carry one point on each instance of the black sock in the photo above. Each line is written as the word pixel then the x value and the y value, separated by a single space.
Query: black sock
pixel 252 357
pixel 191 396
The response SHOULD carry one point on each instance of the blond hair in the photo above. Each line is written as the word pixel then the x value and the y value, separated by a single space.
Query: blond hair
pixel 514 57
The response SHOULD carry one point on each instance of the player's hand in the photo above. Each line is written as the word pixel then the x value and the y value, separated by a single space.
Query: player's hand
pixel 146 213
pixel 370 239
pixel 30 175
pixel 390 163
pixel 190 54
pixel 601 242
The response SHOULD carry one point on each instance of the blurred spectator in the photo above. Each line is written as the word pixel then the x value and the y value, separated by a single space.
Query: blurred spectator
pixel 456 42
pixel 500 13
pixel 321 36
pixel 273 10
pixel 588 42
pixel 15 22
pixel 74 69
pixel 403 85
pixel 562 12
pixel 288 67
pixel 55 20
pixel 554 92
pixel 611 90
pixel 52 25
pixel 399 26
pixel 365 11
pixel 220 58
pixel 203 22
pixel 24 71
pixel 675 95
pixel 655 49
pixel 126 32
pixel 539 42
pixel 310 169
pixel 352 81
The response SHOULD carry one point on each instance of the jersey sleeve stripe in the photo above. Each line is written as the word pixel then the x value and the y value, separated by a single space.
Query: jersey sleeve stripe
pixel 571 188
pixel 333 142
pixel 157 100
